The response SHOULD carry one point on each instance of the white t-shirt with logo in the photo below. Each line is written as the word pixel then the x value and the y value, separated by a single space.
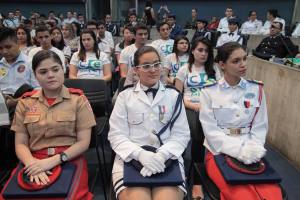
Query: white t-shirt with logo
pixel 127 54
pixel 173 64
pixel 165 46
pixel 91 67
pixel 193 81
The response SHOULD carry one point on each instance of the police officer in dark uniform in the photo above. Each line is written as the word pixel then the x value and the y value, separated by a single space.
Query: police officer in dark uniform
pixel 276 44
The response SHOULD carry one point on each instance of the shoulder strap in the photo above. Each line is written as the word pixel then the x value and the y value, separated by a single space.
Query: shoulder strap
pixel 259 100
pixel 178 105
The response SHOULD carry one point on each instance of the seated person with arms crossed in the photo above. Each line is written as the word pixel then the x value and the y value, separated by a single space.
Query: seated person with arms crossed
pixel 140 112
pixel 276 44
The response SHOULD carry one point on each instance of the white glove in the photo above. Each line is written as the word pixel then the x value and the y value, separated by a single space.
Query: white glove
pixel 251 152
pixel 145 172
pixel 151 161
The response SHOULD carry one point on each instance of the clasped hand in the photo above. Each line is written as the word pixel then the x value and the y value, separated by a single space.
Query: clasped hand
pixel 38 171
pixel 251 152
pixel 153 163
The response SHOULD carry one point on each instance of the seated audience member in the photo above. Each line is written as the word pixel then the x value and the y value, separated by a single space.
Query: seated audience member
pixel 15 67
pixel 191 23
pixel 105 36
pixel 189 80
pixel 81 21
pixel 24 39
pixel 177 58
pixel 213 24
pixel 89 61
pixel 11 21
pixel 137 117
pixel 164 44
pixel 235 123
pixel 113 28
pixel 127 41
pixel 201 29
pixel 276 44
pixel 176 30
pixel 43 37
pixel 296 32
pixel 232 35
pixel 59 42
pixel 76 28
pixel 42 142
pixel 126 57
pixel 69 37
pixel 252 26
pixel 133 19
pixel 223 24
pixel 70 18
pixel 272 16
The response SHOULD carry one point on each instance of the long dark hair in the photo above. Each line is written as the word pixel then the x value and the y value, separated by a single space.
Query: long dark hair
pixel 61 44
pixel 122 44
pixel 175 49
pixel 82 51
pixel 226 50
pixel 27 32
pixel 177 39
pixel 208 65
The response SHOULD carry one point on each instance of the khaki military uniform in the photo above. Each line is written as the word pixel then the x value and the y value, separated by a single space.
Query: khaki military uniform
pixel 55 125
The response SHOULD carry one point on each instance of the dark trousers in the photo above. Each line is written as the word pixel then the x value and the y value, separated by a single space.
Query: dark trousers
pixel 197 139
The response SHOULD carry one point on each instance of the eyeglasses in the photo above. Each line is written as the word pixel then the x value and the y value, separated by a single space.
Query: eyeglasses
pixel 147 67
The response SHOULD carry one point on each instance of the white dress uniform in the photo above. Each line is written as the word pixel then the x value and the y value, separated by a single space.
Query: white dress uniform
pixel 14 75
pixel 265 30
pixel 251 27
pixel 224 107
pixel 136 119
pixel 223 25
pixel 296 32
pixel 229 37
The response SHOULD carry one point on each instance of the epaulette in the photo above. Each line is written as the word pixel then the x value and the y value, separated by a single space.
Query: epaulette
pixel 76 91
pixel 172 87
pixel 29 94
pixel 127 86
pixel 255 81
pixel 209 84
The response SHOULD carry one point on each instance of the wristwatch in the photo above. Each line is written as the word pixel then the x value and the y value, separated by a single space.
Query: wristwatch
pixel 63 157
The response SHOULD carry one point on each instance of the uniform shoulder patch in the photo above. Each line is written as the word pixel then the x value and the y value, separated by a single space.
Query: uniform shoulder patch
pixel 128 86
pixel 76 91
pixel 255 81
pixel 172 87
pixel 209 84
pixel 29 94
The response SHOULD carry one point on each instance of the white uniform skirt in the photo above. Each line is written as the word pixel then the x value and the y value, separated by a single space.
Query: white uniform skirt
pixel 118 174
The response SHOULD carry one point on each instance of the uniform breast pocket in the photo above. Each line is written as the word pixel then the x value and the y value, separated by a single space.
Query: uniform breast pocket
pixel 223 113
pixel 31 122
pixel 135 118
pixel 65 124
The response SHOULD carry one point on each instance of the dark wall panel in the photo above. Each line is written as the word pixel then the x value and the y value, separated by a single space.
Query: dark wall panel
pixel 27 8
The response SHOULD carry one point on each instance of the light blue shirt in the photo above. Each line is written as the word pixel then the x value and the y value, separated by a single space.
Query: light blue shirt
pixel 14 75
